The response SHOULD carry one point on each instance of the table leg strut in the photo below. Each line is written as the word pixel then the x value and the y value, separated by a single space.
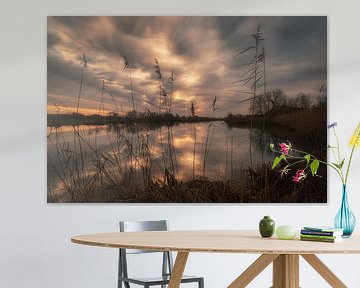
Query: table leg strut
pixel 178 269
pixel 324 271
pixel 286 271
pixel 253 270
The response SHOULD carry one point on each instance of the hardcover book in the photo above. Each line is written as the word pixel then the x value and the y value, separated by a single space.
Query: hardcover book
pixel 321 233
pixel 326 240
pixel 323 228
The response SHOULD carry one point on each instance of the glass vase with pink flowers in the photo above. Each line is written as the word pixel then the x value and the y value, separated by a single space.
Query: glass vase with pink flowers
pixel 290 159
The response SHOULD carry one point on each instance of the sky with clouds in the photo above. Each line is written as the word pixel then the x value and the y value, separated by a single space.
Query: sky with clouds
pixel 201 52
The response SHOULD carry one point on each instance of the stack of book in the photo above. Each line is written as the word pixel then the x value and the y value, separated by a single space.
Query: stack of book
pixel 321 234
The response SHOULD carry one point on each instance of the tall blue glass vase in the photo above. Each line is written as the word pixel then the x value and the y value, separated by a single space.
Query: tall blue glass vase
pixel 345 219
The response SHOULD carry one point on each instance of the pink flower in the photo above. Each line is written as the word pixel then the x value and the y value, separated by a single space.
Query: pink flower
pixel 284 148
pixel 299 175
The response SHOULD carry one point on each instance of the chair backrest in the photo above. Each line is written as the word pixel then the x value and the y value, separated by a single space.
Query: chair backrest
pixel 133 226
pixel 137 226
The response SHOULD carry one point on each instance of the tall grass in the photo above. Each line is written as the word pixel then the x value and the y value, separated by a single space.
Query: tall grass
pixel 86 174
pixel 83 64
pixel 209 135
pixel 193 114
pixel 115 104
pixel 101 106
pixel 162 92
pixel 72 170
pixel 171 83
pixel 252 77
pixel 128 67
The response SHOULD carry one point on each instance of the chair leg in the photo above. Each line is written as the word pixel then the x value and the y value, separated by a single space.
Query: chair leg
pixel 201 283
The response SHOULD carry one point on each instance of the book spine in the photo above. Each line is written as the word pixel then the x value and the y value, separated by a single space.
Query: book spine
pixel 317 239
pixel 319 233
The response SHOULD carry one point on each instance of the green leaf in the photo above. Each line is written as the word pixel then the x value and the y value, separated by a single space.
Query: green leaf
pixel 339 166
pixel 336 165
pixel 277 161
pixel 271 145
pixel 307 157
pixel 342 163
pixel 314 166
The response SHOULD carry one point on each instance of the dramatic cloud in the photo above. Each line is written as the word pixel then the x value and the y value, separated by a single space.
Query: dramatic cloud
pixel 199 50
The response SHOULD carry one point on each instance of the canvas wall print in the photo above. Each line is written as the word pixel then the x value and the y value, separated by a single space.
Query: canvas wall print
pixel 184 109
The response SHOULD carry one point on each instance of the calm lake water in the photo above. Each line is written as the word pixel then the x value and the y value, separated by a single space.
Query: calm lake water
pixel 224 150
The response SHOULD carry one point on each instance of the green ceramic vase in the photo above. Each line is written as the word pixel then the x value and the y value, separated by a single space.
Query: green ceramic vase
pixel 267 227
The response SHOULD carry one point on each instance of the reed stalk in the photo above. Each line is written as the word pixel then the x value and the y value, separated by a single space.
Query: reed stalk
pixel 83 64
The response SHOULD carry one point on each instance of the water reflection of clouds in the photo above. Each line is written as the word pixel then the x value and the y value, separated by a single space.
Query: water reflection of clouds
pixel 228 150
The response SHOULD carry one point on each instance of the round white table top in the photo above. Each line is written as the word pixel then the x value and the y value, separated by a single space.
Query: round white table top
pixel 219 241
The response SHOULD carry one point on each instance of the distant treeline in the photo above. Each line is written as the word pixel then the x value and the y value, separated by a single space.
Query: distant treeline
pixel 276 102
pixel 268 109
pixel 132 117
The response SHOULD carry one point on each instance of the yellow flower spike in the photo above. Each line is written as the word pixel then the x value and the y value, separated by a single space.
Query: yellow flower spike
pixel 355 138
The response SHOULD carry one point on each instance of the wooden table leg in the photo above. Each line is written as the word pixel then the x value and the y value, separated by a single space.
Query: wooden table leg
pixel 279 271
pixel 293 261
pixel 178 269
pixel 286 271
pixel 253 270
pixel 324 271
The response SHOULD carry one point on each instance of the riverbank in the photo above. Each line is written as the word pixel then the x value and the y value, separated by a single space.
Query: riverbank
pixel 269 187
pixel 305 127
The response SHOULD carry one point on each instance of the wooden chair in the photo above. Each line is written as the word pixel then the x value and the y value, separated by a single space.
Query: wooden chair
pixel 167 262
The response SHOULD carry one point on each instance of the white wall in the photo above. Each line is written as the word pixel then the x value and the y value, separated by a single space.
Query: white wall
pixel 35 248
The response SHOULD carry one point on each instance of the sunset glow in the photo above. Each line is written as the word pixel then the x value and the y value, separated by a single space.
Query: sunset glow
pixel 201 52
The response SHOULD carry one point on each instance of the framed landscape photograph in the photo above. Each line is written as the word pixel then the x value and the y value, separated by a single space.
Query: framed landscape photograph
pixel 165 109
